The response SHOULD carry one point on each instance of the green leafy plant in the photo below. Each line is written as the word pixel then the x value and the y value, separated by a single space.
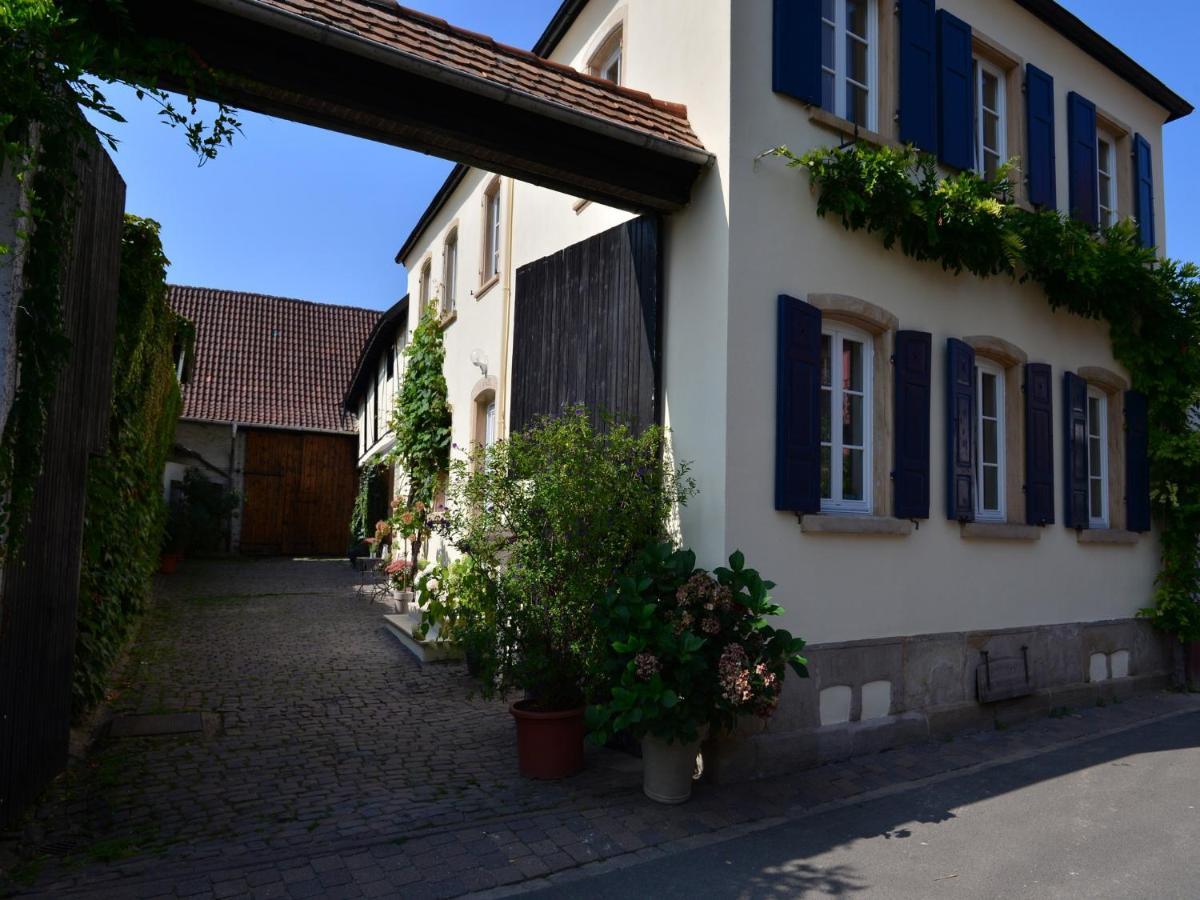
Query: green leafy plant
pixel 689 649
pixel 54 57
pixel 552 517
pixel 1152 307
pixel 459 599
pixel 421 424
pixel 125 513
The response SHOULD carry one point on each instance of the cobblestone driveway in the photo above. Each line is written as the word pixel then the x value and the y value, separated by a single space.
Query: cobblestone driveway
pixel 340 767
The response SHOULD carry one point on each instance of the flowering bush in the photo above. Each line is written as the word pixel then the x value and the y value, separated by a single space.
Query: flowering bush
pixel 400 574
pixel 690 648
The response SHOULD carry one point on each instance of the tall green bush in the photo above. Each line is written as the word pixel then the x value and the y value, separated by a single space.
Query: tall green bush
pixel 125 513
pixel 551 517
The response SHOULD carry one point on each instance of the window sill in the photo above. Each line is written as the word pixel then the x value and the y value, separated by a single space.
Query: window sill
pixel 449 319
pixel 1107 536
pixel 1000 531
pixel 486 286
pixel 834 524
pixel 846 128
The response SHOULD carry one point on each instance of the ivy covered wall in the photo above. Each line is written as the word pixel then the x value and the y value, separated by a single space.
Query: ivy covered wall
pixel 126 514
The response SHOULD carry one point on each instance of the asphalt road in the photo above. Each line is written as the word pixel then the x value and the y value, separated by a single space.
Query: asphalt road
pixel 1116 817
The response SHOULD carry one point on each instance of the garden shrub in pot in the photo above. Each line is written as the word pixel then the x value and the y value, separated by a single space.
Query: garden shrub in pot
pixel 552 517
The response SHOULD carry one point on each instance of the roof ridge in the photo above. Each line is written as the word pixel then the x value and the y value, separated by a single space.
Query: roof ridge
pixel 676 110
pixel 258 294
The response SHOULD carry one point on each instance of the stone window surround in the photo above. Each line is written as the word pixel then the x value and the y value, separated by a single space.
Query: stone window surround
pixel 881 326
pixel 486 281
pixel 612 31
pixel 1114 386
pixel 483 392
pixel 1012 360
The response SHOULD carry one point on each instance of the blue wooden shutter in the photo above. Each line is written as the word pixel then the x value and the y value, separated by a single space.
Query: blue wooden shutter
pixel 955 92
pixel 1143 189
pixel 1137 462
pixel 960 431
pixel 918 75
pixel 1075 451
pixel 797 410
pixel 797 49
pixel 1039 445
pixel 912 379
pixel 1039 130
pixel 1081 159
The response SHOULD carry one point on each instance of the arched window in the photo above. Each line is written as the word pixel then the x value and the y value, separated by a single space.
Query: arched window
pixel 607 62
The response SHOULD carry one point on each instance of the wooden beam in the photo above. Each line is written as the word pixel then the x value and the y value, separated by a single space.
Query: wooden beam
pixel 281 74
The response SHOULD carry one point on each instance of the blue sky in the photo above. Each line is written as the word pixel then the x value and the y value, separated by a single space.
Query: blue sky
pixel 299 212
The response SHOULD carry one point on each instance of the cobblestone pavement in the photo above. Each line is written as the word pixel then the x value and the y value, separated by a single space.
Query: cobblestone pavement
pixel 334 765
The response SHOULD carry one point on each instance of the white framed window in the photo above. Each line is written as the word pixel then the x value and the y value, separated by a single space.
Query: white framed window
pixel 489 425
pixel 846 369
pixel 848 60
pixel 1106 177
pixel 491 231
pixel 423 288
pixel 989 477
pixel 1097 437
pixel 606 62
pixel 991 139
pixel 450 274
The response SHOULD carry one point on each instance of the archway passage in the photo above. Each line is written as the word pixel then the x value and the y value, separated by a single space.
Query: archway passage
pixel 376 70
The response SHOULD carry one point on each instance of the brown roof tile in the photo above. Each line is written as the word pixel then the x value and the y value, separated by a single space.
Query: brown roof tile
pixel 273 361
pixel 434 40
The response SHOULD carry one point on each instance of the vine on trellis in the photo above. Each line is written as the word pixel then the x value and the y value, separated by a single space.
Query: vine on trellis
pixel 1152 306
pixel 54 57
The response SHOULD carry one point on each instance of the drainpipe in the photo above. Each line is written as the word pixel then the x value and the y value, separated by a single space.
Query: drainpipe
pixel 506 312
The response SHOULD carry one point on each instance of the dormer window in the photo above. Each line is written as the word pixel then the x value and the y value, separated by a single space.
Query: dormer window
pixel 606 61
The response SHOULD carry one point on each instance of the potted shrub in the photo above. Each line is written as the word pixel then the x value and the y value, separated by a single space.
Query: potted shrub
pixel 400 578
pixel 549 517
pixel 691 651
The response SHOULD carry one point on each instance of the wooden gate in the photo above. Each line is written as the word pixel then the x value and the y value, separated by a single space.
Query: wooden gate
pixel 39 588
pixel 587 328
pixel 299 492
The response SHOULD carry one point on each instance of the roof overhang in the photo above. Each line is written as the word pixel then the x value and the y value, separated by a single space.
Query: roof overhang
pixel 381 335
pixel 277 62
pixel 1105 51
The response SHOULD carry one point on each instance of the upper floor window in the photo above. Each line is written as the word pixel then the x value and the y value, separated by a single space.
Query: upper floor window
pixel 423 288
pixel 491 231
pixel 450 274
pixel 990 118
pixel 1106 177
pixel 846 433
pixel 606 61
pixel 848 47
pixel 989 492
pixel 1097 434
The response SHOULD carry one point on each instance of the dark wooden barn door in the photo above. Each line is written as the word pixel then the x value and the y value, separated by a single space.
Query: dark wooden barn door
pixel 299 490
pixel 587 328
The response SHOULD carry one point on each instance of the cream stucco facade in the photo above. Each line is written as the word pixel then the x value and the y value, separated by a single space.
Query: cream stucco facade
pixel 750 234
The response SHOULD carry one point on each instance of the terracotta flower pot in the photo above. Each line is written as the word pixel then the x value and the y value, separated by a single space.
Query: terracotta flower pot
pixel 549 744
pixel 169 562
pixel 667 769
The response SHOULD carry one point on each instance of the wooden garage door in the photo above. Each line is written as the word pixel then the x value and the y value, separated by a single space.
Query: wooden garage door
pixel 299 493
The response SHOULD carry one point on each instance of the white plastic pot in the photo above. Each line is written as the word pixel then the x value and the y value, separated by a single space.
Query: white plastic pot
pixel 667 769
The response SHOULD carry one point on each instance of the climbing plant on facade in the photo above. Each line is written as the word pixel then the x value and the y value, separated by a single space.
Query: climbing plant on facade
pixel 420 422
pixel 970 223
pixel 56 56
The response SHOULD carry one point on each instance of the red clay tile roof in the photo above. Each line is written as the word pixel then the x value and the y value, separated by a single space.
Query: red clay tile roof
pixel 264 360
pixel 434 40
